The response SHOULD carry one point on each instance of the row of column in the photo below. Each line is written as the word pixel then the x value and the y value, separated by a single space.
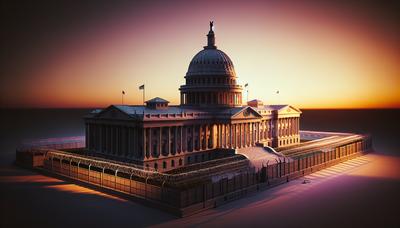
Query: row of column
pixel 215 98
pixel 288 126
pixel 266 127
pixel 238 135
pixel 166 141
pixel 114 140
pixel 157 142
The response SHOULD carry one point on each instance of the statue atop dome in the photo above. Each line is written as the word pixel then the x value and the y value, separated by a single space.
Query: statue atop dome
pixel 211 37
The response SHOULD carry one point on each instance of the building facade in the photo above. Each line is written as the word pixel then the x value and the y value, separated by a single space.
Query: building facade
pixel 210 121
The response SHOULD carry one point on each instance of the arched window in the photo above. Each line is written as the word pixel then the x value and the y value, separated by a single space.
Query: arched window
pixel 172 163
pixel 164 164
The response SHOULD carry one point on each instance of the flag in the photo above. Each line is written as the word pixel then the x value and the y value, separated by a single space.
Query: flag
pixel 141 87
pixel 123 92
pixel 247 84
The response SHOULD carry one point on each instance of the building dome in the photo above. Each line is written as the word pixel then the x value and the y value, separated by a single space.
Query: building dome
pixel 211 79
pixel 211 62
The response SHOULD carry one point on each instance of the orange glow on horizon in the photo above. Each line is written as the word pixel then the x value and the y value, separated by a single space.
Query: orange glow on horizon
pixel 314 57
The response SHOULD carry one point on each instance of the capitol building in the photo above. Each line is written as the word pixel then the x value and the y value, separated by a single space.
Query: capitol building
pixel 210 122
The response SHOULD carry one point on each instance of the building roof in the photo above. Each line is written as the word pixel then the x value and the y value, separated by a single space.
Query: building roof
pixel 140 109
pixel 141 112
pixel 157 100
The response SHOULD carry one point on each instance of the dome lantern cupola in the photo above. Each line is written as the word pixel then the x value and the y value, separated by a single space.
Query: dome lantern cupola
pixel 211 79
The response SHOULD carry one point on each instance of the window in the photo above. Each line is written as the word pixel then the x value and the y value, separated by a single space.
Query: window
pixel 188 159
pixel 172 163
pixel 155 166
pixel 180 161
pixel 164 164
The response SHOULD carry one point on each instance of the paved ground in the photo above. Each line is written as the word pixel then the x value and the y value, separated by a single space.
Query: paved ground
pixel 362 192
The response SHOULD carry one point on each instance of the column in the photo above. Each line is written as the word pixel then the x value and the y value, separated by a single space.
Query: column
pixel 159 153
pixel 185 132
pixel 224 140
pixel 193 144
pixel 245 134
pixel 175 140
pixel 280 127
pixel 230 136
pixel 213 144
pixel 220 136
pixel 144 146
pixel 240 135
pixel 181 139
pixel 249 134
pixel 169 141
pixel 150 142
pixel 199 138
pixel 251 130
pixel 206 136
pixel 234 137
pixel 295 126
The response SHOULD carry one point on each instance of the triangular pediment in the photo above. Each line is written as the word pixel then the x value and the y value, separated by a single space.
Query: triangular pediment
pixel 246 113
pixel 113 112
pixel 289 109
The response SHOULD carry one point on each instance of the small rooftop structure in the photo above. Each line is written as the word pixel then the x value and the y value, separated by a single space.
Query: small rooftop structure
pixel 157 103
pixel 255 103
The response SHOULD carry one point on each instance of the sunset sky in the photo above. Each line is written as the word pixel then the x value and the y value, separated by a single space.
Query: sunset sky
pixel 318 55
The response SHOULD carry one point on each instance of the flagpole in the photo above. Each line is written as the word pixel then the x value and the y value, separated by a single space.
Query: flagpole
pixel 144 87
pixel 247 90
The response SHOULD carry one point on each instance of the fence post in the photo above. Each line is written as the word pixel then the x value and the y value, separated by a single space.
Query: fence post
pixel 90 164
pixel 70 161
pixel 115 179
pixel 130 183
pixel 145 188
pixel 102 177
pixel 78 169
